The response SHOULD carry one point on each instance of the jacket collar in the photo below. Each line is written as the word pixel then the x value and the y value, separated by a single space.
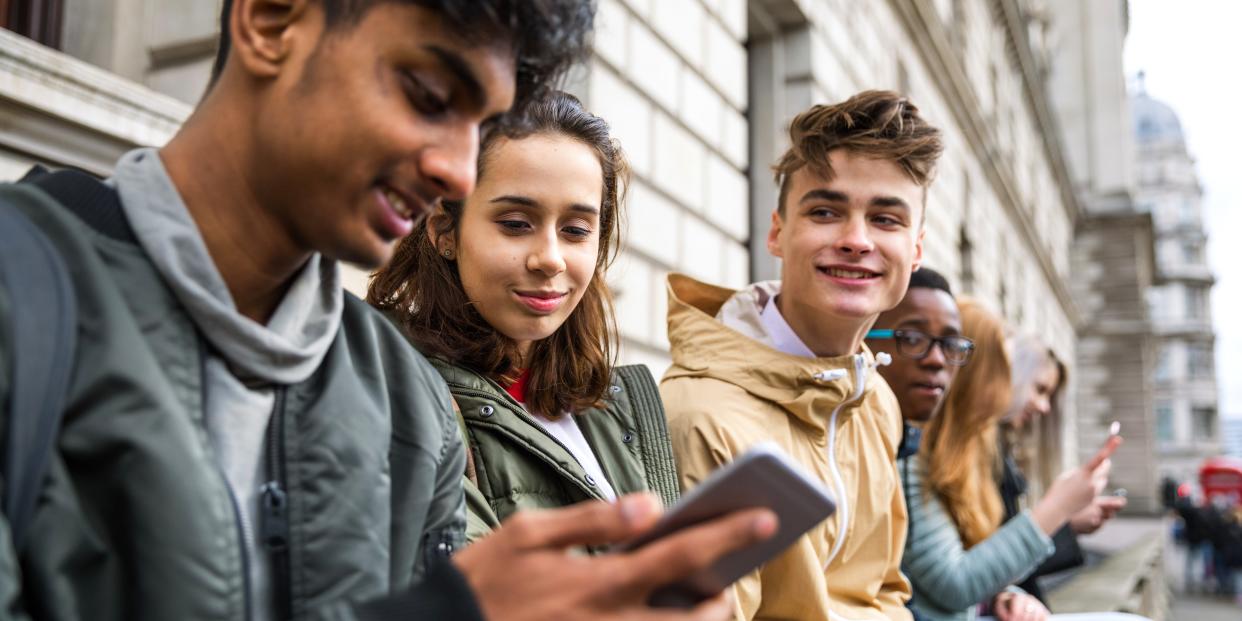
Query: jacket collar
pixel 704 346
pixel 484 402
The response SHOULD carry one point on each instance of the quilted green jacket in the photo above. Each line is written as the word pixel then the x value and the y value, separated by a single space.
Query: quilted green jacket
pixel 513 464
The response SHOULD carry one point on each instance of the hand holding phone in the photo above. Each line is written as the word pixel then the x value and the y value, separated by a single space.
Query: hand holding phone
pixel 499 567
pixel 1078 489
pixel 764 477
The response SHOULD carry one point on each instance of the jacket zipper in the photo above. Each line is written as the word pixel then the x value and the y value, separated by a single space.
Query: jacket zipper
pixel 843 505
pixel 274 510
pixel 243 554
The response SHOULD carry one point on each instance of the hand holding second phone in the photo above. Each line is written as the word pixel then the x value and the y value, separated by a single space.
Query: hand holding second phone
pixel 1101 510
pixel 524 571
pixel 1020 607
pixel 1075 489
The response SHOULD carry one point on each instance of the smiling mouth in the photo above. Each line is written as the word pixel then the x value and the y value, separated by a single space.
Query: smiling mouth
pixel 851 274
pixel 398 203
pixel 541 301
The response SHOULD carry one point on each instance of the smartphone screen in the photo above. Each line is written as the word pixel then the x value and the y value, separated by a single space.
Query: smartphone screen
pixel 762 477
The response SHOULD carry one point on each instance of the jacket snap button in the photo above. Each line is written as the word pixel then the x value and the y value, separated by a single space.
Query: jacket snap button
pixel 614 389
pixel 627 437
pixel 487 410
pixel 590 480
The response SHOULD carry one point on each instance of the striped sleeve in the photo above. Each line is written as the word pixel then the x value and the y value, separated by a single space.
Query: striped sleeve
pixel 950 577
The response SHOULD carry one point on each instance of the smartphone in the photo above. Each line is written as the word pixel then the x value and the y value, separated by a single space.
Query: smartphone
pixel 762 477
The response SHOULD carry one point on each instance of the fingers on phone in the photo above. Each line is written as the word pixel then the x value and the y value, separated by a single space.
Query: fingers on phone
pixel 685 552
pixel 1105 452
pixel 586 523
pixel 719 607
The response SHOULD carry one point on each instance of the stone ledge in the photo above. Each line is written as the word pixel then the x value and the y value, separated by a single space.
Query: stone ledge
pixel 1131 580
pixel 79 94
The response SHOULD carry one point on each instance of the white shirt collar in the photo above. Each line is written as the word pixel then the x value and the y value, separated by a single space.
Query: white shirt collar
pixel 782 336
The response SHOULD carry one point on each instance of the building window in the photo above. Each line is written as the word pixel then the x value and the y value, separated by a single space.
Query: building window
pixel 1205 423
pixel 1192 251
pixel 37 19
pixel 966 257
pixel 1164 424
pixel 1164 365
pixel 1155 304
pixel 1199 360
pixel 1196 303
pixel 1188 212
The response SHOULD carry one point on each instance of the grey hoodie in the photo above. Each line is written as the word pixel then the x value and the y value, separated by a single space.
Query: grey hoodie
pixel 247 359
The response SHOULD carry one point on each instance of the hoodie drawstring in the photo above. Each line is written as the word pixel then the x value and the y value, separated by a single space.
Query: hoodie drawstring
pixel 861 366
pixel 882 359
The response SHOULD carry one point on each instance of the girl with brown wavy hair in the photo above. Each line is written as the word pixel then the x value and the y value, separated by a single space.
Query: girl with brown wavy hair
pixel 959 448
pixel 958 553
pixel 506 293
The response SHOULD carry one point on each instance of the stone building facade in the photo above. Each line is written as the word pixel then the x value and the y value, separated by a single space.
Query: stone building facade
pixel 1113 252
pixel 1186 420
pixel 699 92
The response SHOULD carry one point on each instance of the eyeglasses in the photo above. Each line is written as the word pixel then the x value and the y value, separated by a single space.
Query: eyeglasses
pixel 916 345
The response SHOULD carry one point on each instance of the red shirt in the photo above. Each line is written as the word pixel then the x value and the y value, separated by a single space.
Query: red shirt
pixel 517 389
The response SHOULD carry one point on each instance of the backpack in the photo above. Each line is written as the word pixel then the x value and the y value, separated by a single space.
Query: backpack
pixel 43 320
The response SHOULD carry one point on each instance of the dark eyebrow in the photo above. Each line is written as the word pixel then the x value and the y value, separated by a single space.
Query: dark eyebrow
pixel 890 201
pixel 526 201
pixel 461 70
pixel 516 200
pixel 831 196
pixel 922 322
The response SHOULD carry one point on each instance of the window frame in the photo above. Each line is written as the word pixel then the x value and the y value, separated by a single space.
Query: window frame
pixel 39 20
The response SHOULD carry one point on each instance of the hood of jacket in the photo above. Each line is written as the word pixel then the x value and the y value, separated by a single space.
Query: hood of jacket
pixel 729 389
pixel 293 342
pixel 718 332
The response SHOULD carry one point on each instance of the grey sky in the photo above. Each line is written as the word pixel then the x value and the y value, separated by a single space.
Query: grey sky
pixel 1189 50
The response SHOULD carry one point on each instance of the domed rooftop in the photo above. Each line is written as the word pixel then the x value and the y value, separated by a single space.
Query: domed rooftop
pixel 1154 121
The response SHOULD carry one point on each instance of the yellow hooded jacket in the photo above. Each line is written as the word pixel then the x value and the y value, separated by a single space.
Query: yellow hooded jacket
pixel 727 391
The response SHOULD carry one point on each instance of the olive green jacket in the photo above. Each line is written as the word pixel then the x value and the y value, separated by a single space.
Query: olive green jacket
pixel 136 521
pixel 514 464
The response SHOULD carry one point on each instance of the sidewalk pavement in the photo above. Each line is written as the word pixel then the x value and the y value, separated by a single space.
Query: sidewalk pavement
pixel 1186 603
pixel 1204 608
pixel 1189 602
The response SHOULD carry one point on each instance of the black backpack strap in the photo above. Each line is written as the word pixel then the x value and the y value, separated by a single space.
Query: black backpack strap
pixel 44 324
pixel 88 198
pixel 43 319
pixel 656 448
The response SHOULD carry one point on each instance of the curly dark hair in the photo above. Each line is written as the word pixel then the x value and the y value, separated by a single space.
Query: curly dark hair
pixel 571 369
pixel 547 36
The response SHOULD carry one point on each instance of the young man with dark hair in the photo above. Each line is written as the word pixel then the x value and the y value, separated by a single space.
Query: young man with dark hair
pixel 923 335
pixel 784 361
pixel 241 439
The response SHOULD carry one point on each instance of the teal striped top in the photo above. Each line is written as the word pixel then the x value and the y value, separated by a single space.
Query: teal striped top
pixel 949 580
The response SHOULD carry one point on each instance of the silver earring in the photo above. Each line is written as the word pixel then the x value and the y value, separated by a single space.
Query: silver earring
pixel 448 254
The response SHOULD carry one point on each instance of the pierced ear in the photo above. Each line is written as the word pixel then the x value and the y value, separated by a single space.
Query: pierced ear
pixel 263 32
pixel 774 235
pixel 442 245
